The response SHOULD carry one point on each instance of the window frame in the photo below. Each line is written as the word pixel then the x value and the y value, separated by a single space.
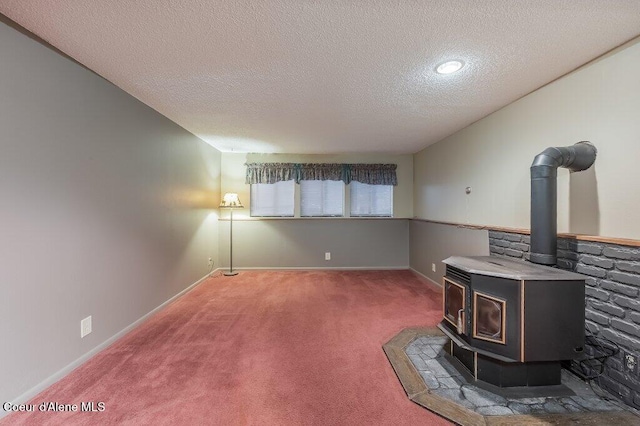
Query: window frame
pixel 322 182
pixel 347 208
pixel 252 204
pixel 352 195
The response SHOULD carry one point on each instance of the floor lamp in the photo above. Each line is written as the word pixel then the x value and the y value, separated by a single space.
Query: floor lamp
pixel 231 201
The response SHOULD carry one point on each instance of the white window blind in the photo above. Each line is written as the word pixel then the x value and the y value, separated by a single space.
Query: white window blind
pixel 273 199
pixel 321 198
pixel 371 200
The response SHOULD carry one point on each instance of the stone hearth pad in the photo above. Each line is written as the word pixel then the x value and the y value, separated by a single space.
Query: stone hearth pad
pixel 431 380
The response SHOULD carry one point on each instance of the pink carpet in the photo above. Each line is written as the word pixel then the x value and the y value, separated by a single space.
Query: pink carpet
pixel 261 348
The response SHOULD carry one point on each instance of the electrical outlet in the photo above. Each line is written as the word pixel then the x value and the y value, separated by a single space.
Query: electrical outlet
pixel 327 256
pixel 210 262
pixel 433 267
pixel 630 363
pixel 85 326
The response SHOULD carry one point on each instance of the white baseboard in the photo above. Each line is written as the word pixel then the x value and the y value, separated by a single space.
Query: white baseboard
pixel 28 395
pixel 426 278
pixel 320 268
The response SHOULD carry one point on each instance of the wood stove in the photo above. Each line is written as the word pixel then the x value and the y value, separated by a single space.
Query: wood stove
pixel 511 323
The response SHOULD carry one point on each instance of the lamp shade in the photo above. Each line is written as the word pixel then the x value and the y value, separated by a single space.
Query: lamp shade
pixel 230 201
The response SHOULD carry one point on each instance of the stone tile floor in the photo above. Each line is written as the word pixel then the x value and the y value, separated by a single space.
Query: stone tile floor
pixel 428 357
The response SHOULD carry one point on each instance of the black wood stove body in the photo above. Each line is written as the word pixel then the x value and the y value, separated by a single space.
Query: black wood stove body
pixel 511 323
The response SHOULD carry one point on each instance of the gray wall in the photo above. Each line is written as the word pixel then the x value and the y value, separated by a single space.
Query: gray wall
pixel 302 243
pixel 433 242
pixel 105 210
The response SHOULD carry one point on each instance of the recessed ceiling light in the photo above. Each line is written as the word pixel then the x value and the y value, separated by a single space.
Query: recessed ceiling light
pixel 449 67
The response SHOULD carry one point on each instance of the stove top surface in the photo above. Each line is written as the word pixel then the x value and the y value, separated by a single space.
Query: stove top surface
pixel 512 269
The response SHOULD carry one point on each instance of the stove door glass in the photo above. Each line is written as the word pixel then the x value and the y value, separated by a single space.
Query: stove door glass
pixel 454 301
pixel 489 318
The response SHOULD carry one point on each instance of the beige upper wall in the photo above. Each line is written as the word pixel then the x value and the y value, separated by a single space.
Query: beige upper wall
pixel 599 102
pixel 233 174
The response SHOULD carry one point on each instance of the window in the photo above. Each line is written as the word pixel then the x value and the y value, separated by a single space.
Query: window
pixel 321 198
pixel 272 199
pixel 371 200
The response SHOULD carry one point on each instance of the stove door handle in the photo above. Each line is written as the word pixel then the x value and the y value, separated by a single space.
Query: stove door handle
pixel 461 321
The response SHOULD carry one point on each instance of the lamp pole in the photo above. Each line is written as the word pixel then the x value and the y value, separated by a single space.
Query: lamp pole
pixel 231 273
pixel 230 201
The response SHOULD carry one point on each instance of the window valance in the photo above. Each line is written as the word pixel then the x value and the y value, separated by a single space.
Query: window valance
pixel 271 172
pixel 372 174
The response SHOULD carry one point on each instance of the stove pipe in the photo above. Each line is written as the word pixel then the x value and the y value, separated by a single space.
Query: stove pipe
pixel 544 172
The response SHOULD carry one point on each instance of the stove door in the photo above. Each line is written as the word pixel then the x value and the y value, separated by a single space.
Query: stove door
pixel 494 316
pixel 454 299
pixel 489 317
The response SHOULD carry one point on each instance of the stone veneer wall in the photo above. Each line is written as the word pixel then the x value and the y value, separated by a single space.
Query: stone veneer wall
pixel 612 306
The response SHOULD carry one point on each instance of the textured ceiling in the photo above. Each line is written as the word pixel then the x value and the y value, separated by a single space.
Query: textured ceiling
pixel 303 76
